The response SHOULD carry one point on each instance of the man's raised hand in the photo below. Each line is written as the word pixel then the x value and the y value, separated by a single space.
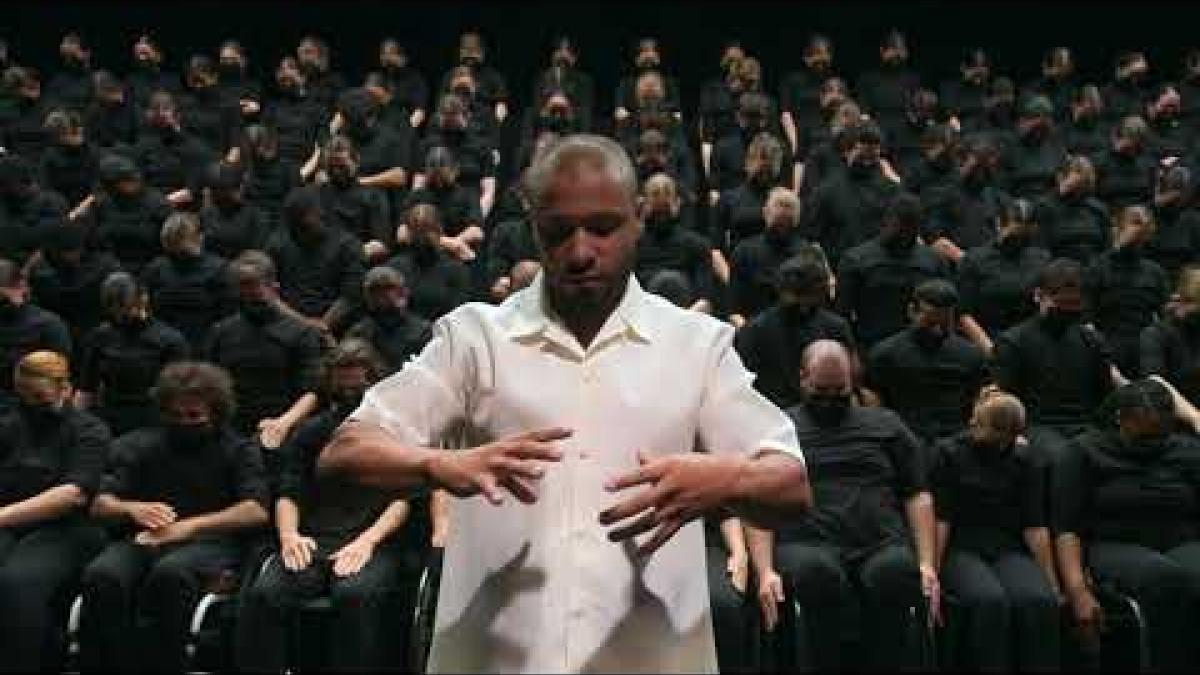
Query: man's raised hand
pixel 512 464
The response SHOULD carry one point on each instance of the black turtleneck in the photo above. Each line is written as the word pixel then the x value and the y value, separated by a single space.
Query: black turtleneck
pixel 753 266
pixel 1122 293
pixel 120 365
pixel 996 282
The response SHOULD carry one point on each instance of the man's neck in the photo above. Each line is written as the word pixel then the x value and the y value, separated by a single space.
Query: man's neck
pixel 585 322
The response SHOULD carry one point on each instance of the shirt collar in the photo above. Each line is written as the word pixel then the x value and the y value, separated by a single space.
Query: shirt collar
pixel 633 317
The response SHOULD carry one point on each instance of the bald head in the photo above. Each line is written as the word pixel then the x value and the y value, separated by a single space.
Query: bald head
pixel 826 368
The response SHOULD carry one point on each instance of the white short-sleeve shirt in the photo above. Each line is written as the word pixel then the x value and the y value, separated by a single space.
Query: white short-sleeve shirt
pixel 539 588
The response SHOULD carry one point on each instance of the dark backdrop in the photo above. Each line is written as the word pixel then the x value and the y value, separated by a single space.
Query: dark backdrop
pixel 1016 33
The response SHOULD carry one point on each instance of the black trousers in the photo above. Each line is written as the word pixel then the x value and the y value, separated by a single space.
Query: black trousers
pixel 826 584
pixel 138 601
pixel 1005 600
pixel 358 638
pixel 1167 585
pixel 732 616
pixel 39 572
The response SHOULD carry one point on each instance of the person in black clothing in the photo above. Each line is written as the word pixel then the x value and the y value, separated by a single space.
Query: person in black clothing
pixel 273 357
pixel 1030 164
pixel 1189 90
pixel 1176 240
pixel 847 208
pixel 928 374
pixel 647 59
pixel 294 114
pixel 931 165
pixel 1170 347
pixel 123 356
pixel 231 224
pixel 1072 223
pixel 126 216
pixel 238 89
pixel 178 495
pixel 71 85
pixel 554 114
pixel 964 99
pixel 1125 171
pixel 1085 132
pixel 823 148
pixel 410 90
pixel 437 281
pixel 994 546
pixel 756 259
pixel 729 151
pixel 962 211
pixel 771 344
pixel 493 91
pixel 1123 290
pixel 391 114
pixel 1129 91
pixel 351 543
pixel 999 113
pixel 1058 81
pixel 312 58
pixel 385 153
pixel 66 279
pixel 350 206
pixel 24 327
pixel 876 279
pixel 147 75
pixel 1170 139
pixel 21 130
pixel 52 461
pixel 996 281
pixel 69 164
pixel 476 161
pixel 189 287
pixel 27 210
pixel 110 118
pixel 462 221
pixel 719 95
pixel 871 529
pixel 205 112
pixel 171 158
pixel 268 178
pixel 320 267
pixel 1126 507
pixel 739 212
pixel 666 245
pixel 564 74
pixel 884 90
pixel 395 333
pixel 798 92
pixel 1059 368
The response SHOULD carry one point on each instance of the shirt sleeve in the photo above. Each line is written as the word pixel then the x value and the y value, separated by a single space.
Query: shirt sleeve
pixel 251 476
pixel 1033 496
pixel 735 418
pixel 908 455
pixel 1067 493
pixel 1153 351
pixel 944 482
pixel 123 467
pixel 90 450
pixel 430 393
pixel 308 360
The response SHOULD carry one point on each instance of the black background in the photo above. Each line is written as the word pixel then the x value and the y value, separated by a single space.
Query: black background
pixel 1016 33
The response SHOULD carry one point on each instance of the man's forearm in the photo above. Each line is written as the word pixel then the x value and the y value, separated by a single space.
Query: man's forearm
pixel 772 488
pixel 761 545
pixel 245 514
pixel 372 456
pixel 287 517
pixel 393 178
pixel 1038 541
pixel 1070 564
pixel 919 509
pixel 389 521
pixel 54 503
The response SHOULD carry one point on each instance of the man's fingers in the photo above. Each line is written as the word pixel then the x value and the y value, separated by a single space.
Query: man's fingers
pixel 534 450
pixel 490 489
pixel 522 468
pixel 661 536
pixel 644 524
pixel 546 435
pixel 646 473
pixel 769 610
pixel 519 489
pixel 631 506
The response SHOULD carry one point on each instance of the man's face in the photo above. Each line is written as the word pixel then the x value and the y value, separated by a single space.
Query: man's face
pixel 342 166
pixel 189 411
pixel 425 228
pixel 781 213
pixel 308 54
pixel 453 119
pixel 660 199
pixel 893 54
pixel 40 391
pixel 1136 228
pixel 72 138
pixel 145 53
pixel 388 297
pixel 162 115
pixel 288 75
pixel 347 381
pixel 818 58
pixel 231 58
pixel 587 233
pixel 864 154
pixel 653 157
pixel 648 57
pixel 938 320
pixel 128 187
pixel 250 289
pixel 757 166
pixel 1067 299
pixel 391 56
pixel 71 50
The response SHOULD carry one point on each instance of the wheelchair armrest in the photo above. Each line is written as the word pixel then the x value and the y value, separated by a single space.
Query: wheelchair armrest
pixel 208 602
pixel 73 620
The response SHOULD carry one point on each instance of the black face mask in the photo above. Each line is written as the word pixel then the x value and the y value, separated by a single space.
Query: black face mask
pixel 341 177
pixel 41 416
pixel 929 339
pixel 347 400
pixel 1013 242
pixel 861 169
pixel 659 223
pixel 257 312
pixel 555 122
pixel 1057 320
pixel 828 410
pixel 897 241
pixel 230 71
pixel 189 437
pixel 388 318
pixel 131 323
pixel 1129 252
pixel 778 237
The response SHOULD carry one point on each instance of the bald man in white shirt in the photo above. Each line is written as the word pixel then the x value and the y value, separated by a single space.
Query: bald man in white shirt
pixel 606 421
